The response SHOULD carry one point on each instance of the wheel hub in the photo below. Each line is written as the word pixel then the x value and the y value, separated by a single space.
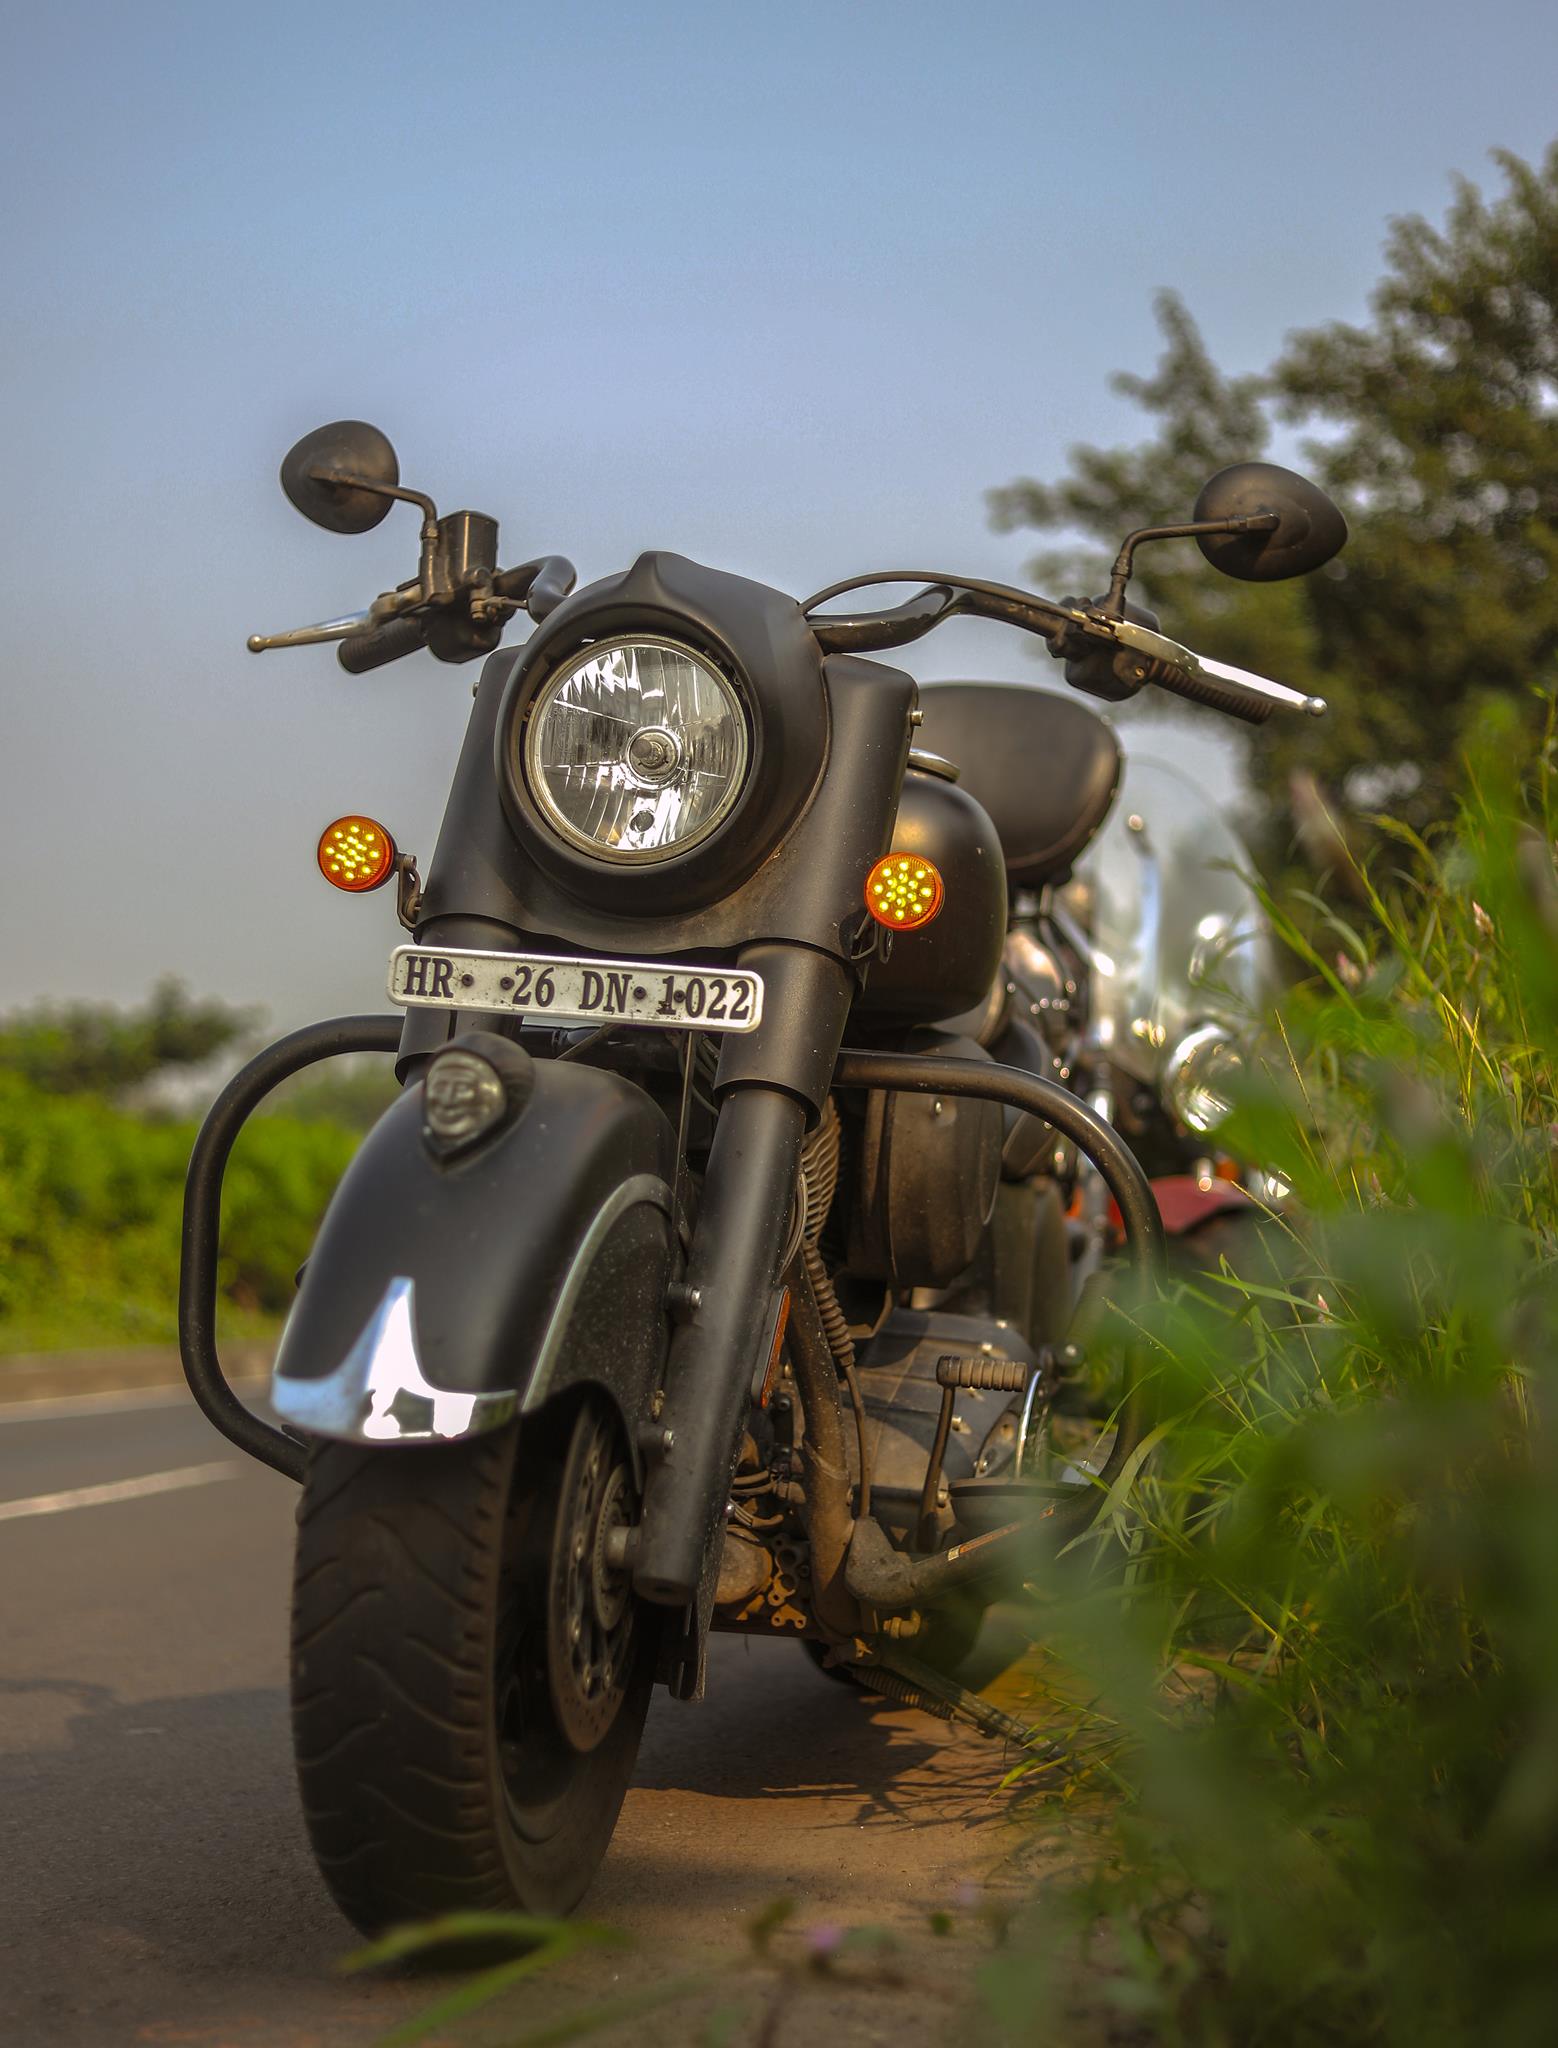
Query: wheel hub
pixel 590 1606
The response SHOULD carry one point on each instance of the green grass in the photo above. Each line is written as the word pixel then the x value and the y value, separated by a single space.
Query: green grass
pixel 1350 1530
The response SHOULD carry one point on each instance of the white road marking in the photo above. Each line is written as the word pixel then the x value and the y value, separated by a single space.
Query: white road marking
pixel 66 1407
pixel 116 1489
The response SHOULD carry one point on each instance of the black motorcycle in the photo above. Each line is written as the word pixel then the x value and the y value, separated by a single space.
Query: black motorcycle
pixel 703 1275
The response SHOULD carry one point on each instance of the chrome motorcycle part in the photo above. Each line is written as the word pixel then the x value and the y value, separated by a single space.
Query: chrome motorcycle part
pixel 379 1393
pixel 1199 1076
pixel 1036 983
pixel 463 1099
pixel 347 626
pixel 1176 936
pixel 725 887
pixel 636 749
pixel 539 1256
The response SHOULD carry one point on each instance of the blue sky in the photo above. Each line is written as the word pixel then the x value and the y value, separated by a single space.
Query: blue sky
pixel 783 289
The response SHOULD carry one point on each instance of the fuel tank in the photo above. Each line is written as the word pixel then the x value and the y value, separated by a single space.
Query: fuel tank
pixel 946 967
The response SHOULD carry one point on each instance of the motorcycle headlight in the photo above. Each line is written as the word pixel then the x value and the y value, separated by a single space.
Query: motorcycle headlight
pixel 636 749
pixel 1199 1077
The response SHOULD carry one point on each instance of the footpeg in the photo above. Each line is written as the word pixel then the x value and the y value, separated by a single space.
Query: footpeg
pixel 982 1373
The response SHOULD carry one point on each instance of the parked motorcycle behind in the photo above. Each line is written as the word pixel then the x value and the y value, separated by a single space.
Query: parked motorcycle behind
pixel 703 1274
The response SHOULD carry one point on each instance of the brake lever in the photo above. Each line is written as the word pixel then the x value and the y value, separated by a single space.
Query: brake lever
pixel 1158 647
pixel 312 636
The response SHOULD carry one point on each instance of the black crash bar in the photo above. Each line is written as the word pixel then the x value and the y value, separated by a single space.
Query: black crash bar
pixel 198 1273
pixel 203 1221
pixel 1098 1141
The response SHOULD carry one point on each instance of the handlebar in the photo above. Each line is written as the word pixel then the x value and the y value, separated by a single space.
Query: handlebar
pixel 457 624
pixel 1105 654
pixel 540 586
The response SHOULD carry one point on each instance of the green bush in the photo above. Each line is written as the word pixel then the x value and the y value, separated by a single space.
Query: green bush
pixel 90 1205
pixel 1346 1552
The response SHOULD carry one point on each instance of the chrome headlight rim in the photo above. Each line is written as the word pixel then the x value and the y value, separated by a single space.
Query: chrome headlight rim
pixel 533 781
pixel 1185 1071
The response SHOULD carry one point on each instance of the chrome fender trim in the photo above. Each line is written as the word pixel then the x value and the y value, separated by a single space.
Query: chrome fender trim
pixel 379 1393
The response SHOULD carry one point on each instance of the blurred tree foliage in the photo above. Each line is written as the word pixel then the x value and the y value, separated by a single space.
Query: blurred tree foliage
pixel 90 1202
pixel 93 1048
pixel 1436 429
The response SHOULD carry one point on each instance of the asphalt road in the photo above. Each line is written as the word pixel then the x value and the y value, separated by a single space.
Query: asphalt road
pixel 155 1883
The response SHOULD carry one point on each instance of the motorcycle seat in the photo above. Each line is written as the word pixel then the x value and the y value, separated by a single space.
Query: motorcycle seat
pixel 1044 767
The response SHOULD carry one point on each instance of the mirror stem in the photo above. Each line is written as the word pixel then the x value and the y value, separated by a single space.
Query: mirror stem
pixel 1113 605
pixel 426 564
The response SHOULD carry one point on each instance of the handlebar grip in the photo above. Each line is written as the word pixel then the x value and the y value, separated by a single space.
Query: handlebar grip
pixel 363 651
pixel 1216 691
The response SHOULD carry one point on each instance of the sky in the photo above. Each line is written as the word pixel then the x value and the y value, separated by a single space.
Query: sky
pixel 786 289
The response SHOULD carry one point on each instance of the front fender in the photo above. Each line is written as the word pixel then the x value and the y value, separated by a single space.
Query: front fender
pixel 444 1296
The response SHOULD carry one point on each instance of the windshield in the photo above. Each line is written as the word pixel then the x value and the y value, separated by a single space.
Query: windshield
pixel 1177 932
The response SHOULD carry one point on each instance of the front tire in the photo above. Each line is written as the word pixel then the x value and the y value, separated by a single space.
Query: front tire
pixel 469 1676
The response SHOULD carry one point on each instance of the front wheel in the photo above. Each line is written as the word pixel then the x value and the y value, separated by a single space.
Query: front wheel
pixel 470 1675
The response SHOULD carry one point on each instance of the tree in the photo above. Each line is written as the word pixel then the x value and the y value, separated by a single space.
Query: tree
pixel 92 1048
pixel 1438 435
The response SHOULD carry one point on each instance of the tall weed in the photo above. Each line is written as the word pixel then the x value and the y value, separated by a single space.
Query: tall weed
pixel 1347 1548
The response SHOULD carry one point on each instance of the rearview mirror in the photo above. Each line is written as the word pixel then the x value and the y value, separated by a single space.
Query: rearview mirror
pixel 1310 529
pixel 348 448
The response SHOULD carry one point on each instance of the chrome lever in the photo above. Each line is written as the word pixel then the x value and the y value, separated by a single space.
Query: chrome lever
pixel 1316 707
pixel 1144 641
pixel 311 636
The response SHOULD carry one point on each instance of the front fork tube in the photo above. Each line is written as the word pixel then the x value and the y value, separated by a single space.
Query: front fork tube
pixel 743 1227
pixel 770 1082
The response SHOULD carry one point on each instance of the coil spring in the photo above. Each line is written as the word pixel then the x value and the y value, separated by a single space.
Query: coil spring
pixel 819 1181
pixel 820 1170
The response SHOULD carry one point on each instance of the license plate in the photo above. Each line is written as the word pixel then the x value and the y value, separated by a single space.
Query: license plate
pixel 543 987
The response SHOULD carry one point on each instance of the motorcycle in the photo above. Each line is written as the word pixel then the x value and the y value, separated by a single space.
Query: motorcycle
pixel 704 1273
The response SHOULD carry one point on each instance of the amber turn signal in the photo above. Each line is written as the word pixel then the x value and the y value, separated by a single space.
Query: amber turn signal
pixel 903 891
pixel 356 854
